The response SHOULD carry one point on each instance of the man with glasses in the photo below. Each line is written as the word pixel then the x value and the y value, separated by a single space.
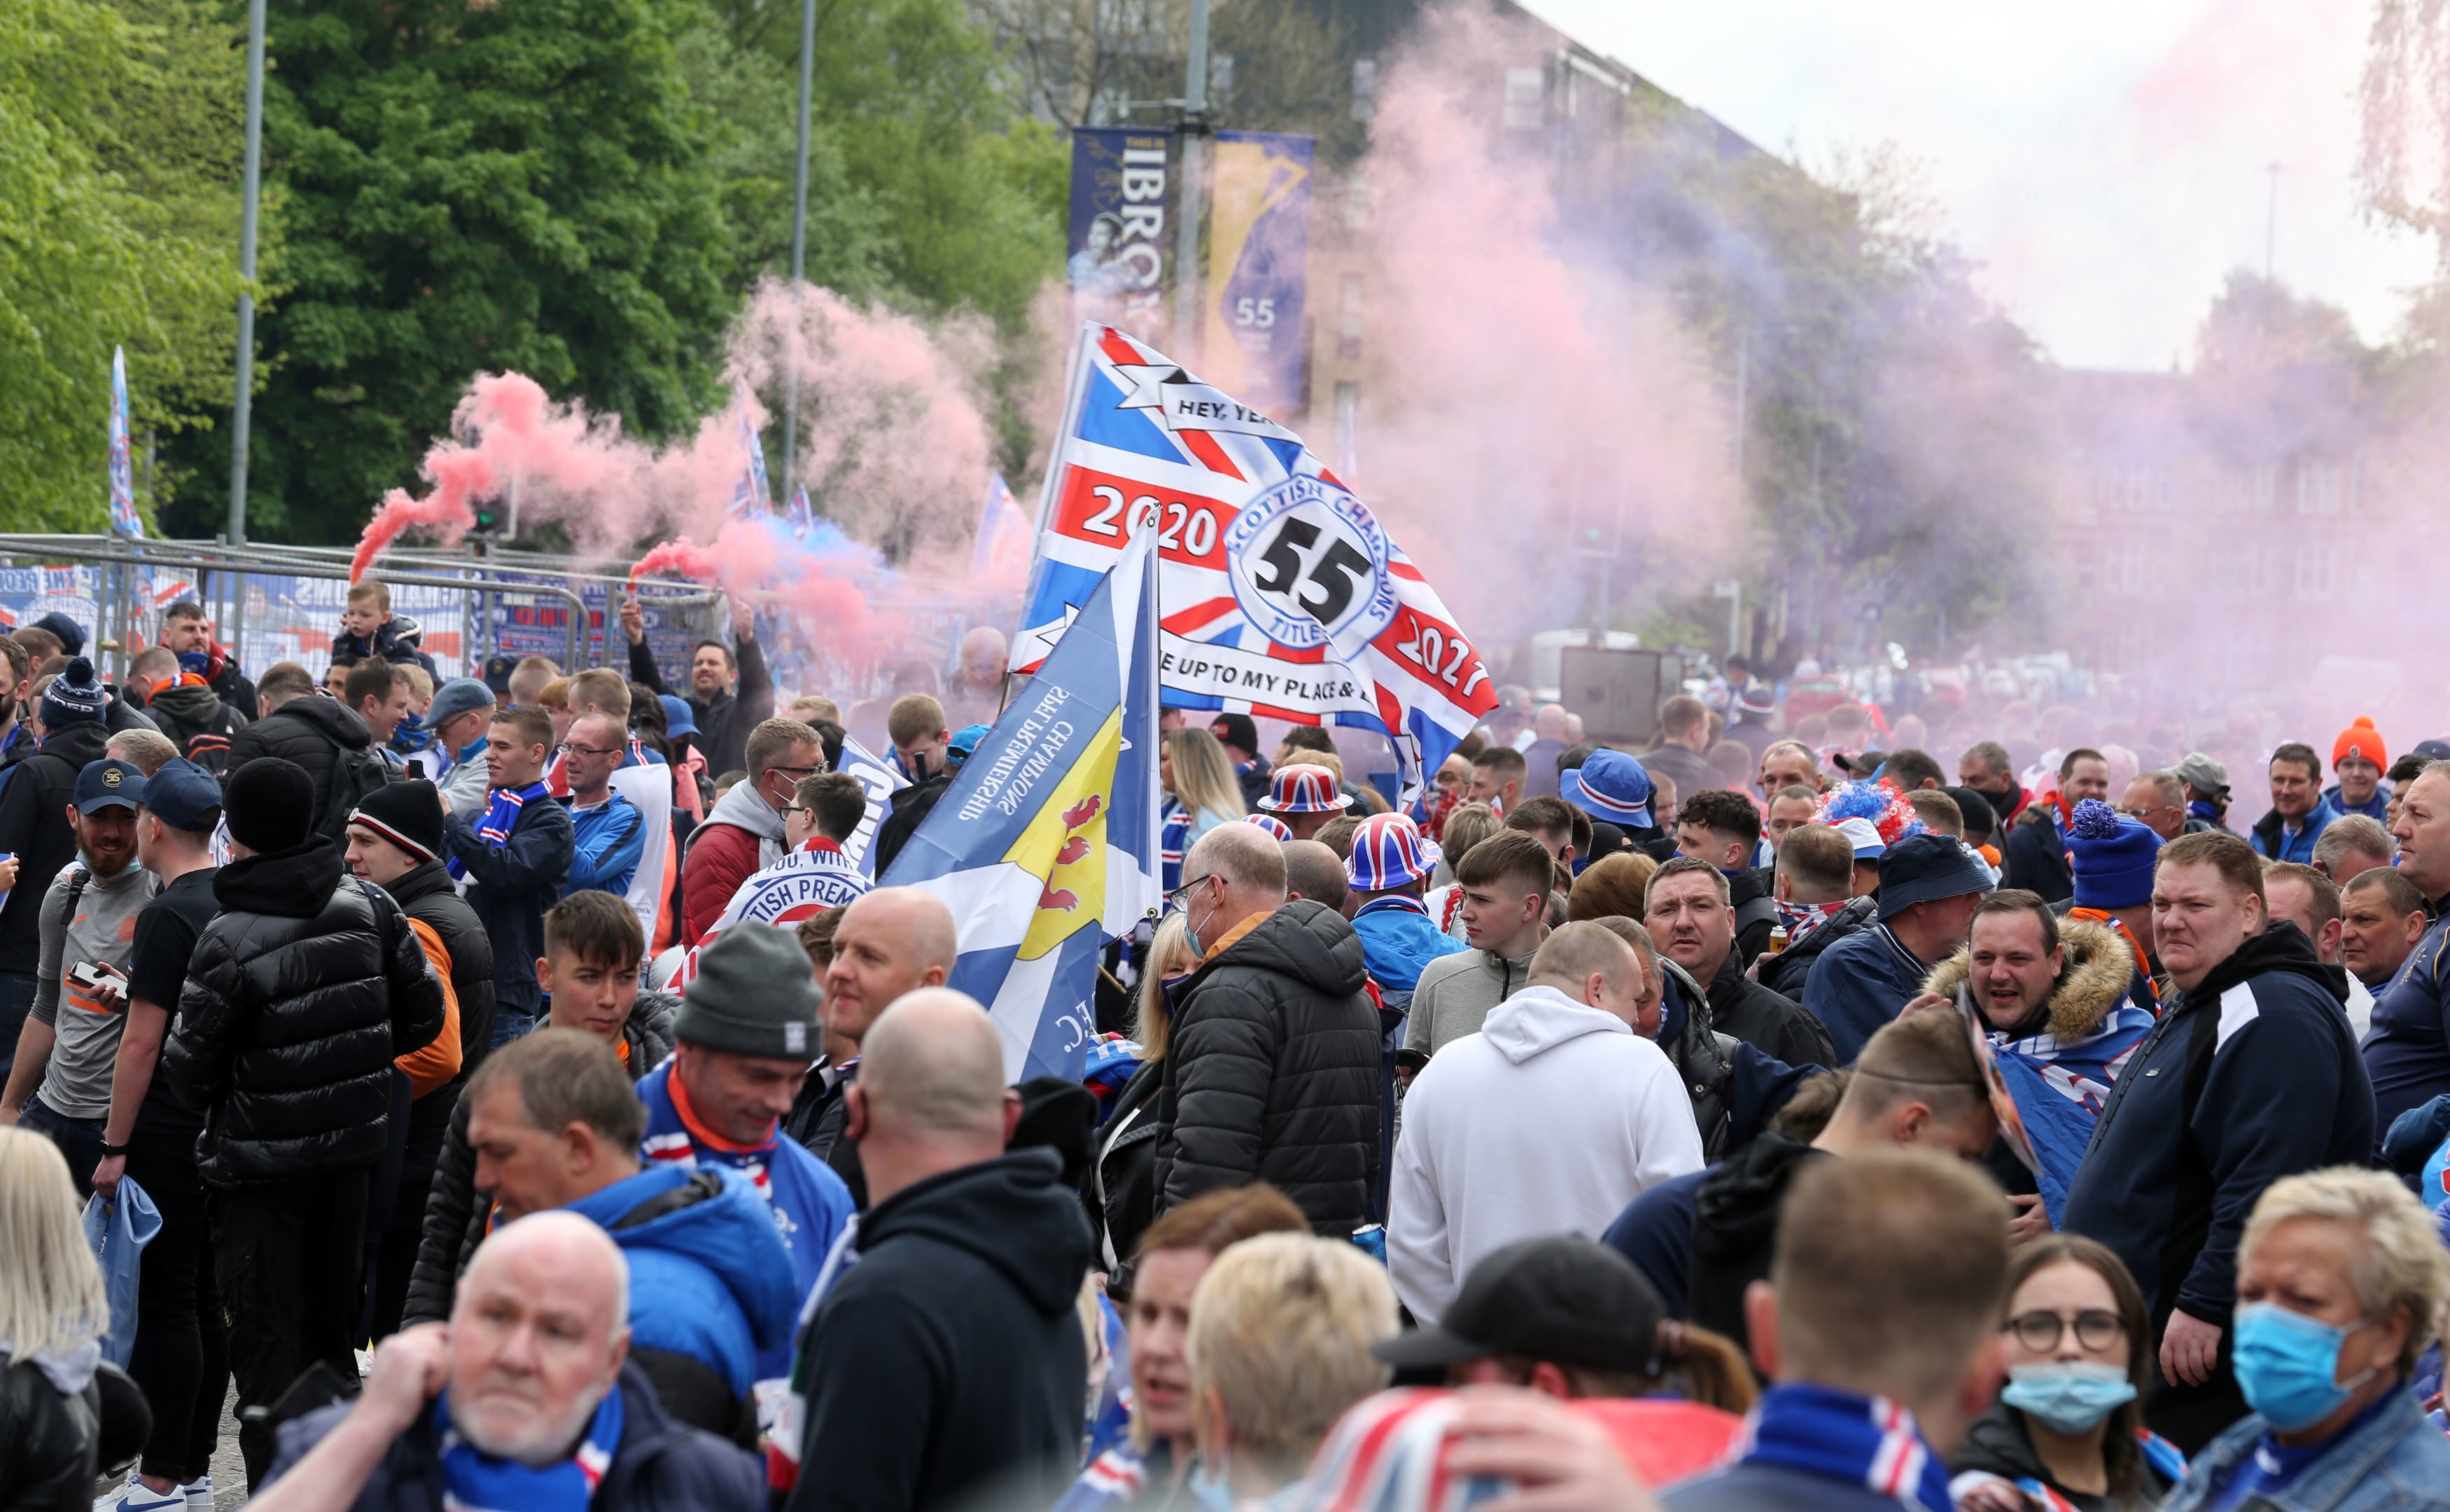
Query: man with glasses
pixel 609 833
pixel 2158 802
pixel 742 833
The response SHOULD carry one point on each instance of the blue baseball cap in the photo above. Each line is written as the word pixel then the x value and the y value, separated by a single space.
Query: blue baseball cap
pixel 677 719
pixel 108 782
pixel 964 741
pixel 180 793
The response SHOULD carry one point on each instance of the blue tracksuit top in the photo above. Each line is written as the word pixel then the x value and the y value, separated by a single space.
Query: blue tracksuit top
pixel 2408 1050
pixel 710 1279
pixel 1398 939
pixel 610 839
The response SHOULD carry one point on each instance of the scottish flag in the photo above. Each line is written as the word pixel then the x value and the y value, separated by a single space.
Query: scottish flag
pixel 882 782
pixel 1045 846
pixel 124 518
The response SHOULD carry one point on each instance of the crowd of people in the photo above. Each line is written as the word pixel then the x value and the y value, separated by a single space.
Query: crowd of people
pixel 523 1096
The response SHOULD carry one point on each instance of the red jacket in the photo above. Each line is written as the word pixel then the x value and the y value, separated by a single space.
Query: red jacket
pixel 721 857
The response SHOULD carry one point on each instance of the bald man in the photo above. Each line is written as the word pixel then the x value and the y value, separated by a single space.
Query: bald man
pixel 975 693
pixel 888 943
pixel 1553 734
pixel 536 1363
pixel 1272 1073
pixel 950 1359
pixel 1552 1117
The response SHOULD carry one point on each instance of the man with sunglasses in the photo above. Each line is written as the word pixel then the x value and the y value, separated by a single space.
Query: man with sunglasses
pixel 744 833
pixel 611 833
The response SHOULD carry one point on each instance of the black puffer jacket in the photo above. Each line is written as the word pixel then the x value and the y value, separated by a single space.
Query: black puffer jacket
pixel 1272 1071
pixel 299 997
pixel 309 729
pixel 455 1212
pixel 1771 1022
pixel 426 895
pixel 34 826
pixel 51 1440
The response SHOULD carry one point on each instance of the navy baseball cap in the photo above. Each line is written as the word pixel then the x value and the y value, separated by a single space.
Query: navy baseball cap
pixel 180 793
pixel 106 781
pixel 498 672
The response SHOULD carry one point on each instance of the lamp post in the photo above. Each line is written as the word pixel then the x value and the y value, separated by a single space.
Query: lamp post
pixel 250 186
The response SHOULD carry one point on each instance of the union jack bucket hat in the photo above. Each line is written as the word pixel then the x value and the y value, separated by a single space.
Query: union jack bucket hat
pixel 1305 790
pixel 1270 823
pixel 1388 851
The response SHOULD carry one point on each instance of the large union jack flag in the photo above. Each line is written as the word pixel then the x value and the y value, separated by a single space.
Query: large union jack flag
pixel 1281 595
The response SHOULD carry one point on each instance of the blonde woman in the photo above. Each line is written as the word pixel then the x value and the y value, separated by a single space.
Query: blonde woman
pixel 1125 1176
pixel 1194 769
pixel 53 1314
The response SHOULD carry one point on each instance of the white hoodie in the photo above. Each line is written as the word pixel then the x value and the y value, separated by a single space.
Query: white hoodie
pixel 1548 1120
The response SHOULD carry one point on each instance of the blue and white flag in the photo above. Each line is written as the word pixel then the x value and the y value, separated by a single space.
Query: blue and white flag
pixel 881 781
pixel 751 496
pixel 797 517
pixel 124 518
pixel 1045 846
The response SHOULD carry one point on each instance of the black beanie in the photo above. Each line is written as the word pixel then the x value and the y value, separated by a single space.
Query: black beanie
pixel 75 696
pixel 269 804
pixel 754 994
pixel 408 814
pixel 72 635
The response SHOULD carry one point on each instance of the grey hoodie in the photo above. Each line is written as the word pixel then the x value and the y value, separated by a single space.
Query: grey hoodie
pixel 1457 992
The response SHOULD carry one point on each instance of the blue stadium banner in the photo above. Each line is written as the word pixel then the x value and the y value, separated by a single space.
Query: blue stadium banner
pixel 1259 267
pixel 1122 190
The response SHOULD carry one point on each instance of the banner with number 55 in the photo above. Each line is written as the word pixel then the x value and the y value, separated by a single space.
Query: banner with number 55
pixel 1280 595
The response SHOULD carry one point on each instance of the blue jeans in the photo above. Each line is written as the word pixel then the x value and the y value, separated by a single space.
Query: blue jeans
pixel 17 1001
pixel 80 1140
pixel 510 1024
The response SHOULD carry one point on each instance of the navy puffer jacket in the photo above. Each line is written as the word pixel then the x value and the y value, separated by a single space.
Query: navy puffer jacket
pixel 299 997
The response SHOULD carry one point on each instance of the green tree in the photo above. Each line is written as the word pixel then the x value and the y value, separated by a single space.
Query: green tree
pixel 118 154
pixel 476 186
pixel 926 174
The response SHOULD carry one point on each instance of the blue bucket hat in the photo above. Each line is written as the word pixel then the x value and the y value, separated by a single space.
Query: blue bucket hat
pixel 1611 787
pixel 1921 868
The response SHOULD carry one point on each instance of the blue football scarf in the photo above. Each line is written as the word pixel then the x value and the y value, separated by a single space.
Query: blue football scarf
pixel 501 816
pixel 1870 1442
pixel 474 1480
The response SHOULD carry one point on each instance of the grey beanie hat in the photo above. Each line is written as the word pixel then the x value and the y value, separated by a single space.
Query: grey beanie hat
pixel 752 995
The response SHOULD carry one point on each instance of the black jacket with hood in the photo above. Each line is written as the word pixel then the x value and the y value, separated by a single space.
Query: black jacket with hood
pixel 1998 1444
pixel 399 640
pixel 197 722
pixel 1272 1071
pixel 948 1365
pixel 34 826
pixel 1786 972
pixel 312 731
pixel 457 1213
pixel 1735 1229
pixel 2252 1075
pixel 725 720
pixel 299 995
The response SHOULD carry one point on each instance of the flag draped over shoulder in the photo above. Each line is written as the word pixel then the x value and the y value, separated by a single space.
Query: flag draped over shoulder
pixel 1282 595
pixel 1045 845
pixel 882 782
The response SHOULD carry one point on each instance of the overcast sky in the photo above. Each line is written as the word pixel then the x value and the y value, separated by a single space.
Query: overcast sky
pixel 2103 159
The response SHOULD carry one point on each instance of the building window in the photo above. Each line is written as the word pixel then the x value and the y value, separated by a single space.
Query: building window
pixel 1524 89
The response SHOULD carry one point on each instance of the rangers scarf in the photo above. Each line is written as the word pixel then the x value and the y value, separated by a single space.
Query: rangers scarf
pixel 502 809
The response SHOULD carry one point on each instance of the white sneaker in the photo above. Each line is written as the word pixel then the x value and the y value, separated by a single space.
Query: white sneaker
pixel 137 1497
pixel 200 1493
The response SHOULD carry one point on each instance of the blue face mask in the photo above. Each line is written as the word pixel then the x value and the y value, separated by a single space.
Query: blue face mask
pixel 1211 1490
pixel 2067 1396
pixel 2288 1365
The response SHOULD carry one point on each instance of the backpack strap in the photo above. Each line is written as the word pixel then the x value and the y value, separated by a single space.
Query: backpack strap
pixel 1761 910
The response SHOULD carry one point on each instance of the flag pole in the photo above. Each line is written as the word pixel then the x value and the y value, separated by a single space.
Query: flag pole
pixel 799 249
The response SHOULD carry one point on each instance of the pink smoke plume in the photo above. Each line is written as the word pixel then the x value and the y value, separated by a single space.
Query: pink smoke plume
pixel 894 449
